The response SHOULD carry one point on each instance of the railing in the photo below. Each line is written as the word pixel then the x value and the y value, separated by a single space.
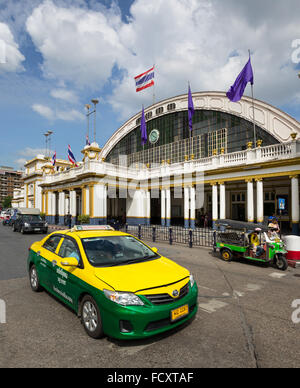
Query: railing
pixel 275 151
pixel 260 154
pixel 199 237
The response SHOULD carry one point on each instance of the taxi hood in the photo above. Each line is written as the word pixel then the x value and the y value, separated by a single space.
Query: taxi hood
pixel 142 276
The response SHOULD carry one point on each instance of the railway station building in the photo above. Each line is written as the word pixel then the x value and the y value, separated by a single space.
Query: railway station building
pixel 222 169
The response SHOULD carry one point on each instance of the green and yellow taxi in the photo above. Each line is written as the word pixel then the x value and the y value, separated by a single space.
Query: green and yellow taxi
pixel 117 285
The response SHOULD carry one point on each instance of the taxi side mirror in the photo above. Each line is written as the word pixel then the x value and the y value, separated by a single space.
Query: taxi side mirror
pixel 154 249
pixel 69 262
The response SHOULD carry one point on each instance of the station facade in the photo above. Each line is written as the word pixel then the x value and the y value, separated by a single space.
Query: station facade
pixel 222 169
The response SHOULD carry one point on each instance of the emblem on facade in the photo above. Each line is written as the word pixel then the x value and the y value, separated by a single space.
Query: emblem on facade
pixel 154 136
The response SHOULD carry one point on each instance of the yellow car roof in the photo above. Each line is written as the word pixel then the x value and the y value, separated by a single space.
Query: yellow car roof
pixel 95 233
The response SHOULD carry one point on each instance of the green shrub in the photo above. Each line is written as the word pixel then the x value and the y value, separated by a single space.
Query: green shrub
pixel 84 219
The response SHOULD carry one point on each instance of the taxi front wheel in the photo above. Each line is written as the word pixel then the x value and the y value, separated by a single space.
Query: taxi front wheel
pixel 34 279
pixel 91 318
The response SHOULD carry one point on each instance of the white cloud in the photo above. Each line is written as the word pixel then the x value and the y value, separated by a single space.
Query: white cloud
pixel 44 111
pixel 32 152
pixel 29 153
pixel 77 44
pixel 69 115
pixel 64 94
pixel 10 57
pixel 51 114
pixel 187 40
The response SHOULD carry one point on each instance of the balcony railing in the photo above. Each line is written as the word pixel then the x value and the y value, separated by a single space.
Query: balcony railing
pixel 142 172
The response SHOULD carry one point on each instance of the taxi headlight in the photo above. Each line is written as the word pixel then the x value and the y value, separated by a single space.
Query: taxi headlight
pixel 192 280
pixel 26 225
pixel 123 298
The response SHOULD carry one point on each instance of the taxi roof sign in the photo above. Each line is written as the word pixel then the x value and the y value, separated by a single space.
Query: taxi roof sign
pixel 81 228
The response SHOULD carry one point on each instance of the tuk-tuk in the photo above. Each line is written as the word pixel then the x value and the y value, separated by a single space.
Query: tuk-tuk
pixel 251 241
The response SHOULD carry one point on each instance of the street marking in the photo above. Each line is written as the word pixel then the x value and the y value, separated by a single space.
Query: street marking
pixel 212 306
pixel 277 275
pixel 238 294
pixel 253 287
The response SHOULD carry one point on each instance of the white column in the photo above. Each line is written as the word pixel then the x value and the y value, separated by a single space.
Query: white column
pixel 215 212
pixel 100 203
pixel 295 203
pixel 61 203
pixel 168 207
pixel 73 203
pixel 38 196
pixel 186 207
pixel 193 206
pixel 61 206
pixel 87 200
pixel 222 201
pixel 250 201
pixel 163 206
pixel 259 201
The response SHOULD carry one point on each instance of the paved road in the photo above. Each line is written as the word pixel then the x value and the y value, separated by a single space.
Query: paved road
pixel 244 319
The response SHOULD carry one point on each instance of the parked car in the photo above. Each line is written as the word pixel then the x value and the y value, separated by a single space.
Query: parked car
pixel 29 220
pixel 6 218
pixel 2 214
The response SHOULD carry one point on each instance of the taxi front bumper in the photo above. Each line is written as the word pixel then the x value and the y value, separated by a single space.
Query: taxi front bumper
pixel 135 322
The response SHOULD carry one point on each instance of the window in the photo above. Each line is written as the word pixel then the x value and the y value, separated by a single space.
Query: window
pixel 171 106
pixel 69 249
pixel 52 243
pixel 116 250
pixel 159 110
pixel 148 115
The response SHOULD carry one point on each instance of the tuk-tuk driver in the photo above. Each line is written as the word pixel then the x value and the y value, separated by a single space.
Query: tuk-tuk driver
pixel 258 249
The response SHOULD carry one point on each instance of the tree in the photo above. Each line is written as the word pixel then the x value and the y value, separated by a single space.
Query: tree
pixel 7 201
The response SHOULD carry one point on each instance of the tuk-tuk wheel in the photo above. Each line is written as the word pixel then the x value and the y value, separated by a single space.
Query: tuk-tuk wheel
pixel 226 255
pixel 281 262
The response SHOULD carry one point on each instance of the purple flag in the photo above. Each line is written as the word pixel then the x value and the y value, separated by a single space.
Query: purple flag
pixel 236 91
pixel 191 109
pixel 143 128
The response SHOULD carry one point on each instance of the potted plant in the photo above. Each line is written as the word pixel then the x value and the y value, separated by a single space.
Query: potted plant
pixel 84 219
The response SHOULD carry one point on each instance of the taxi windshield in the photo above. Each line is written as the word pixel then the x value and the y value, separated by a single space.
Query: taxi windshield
pixel 111 251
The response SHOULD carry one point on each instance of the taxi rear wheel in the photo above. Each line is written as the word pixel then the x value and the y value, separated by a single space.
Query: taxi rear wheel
pixel 91 318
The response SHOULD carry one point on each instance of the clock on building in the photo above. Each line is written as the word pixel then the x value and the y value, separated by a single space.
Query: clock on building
pixel 154 136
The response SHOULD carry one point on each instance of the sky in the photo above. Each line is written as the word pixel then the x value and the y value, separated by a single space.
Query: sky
pixel 57 55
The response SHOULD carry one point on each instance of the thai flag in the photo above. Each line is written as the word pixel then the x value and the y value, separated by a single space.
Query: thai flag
pixel 53 161
pixel 87 141
pixel 71 156
pixel 144 80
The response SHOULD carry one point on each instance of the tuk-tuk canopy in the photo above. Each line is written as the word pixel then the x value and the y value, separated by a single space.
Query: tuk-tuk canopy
pixel 240 225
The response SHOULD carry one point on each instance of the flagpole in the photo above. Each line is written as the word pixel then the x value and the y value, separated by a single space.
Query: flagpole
pixel 153 89
pixel 254 127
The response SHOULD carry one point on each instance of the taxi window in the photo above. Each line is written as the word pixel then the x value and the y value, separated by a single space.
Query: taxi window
pixel 69 249
pixel 116 250
pixel 52 243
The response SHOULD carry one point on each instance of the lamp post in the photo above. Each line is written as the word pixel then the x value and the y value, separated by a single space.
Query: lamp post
pixel 88 107
pixel 48 142
pixel 95 102
pixel 49 134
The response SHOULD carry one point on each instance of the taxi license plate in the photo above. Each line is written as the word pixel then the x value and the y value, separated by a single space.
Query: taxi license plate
pixel 179 312
pixel 36 228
